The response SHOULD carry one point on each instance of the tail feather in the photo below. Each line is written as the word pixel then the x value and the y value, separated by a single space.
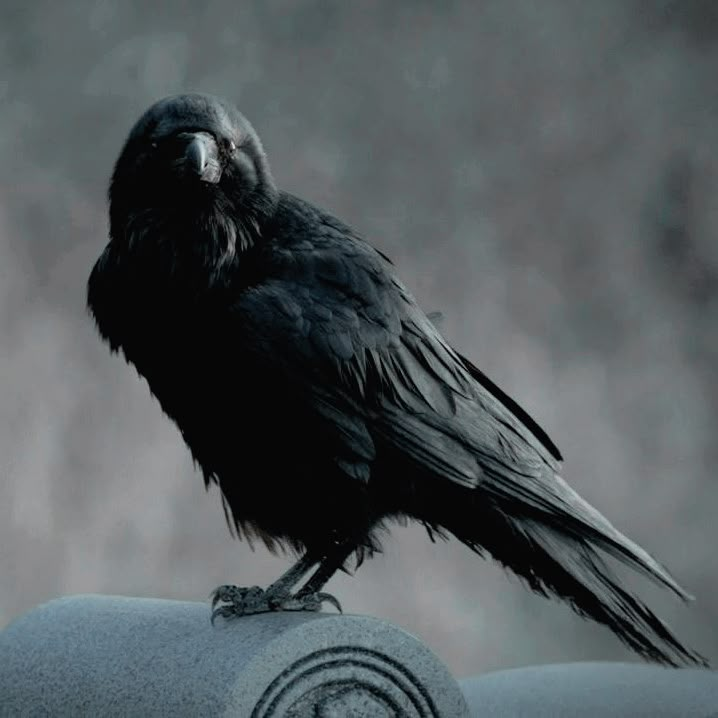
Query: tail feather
pixel 584 579
pixel 555 562
pixel 556 503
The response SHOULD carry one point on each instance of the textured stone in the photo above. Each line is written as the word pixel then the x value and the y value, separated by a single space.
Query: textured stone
pixel 114 656
pixel 593 690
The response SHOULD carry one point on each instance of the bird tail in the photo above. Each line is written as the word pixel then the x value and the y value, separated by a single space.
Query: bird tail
pixel 560 555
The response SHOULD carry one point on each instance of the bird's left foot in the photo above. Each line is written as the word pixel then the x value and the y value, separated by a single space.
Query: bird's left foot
pixel 233 601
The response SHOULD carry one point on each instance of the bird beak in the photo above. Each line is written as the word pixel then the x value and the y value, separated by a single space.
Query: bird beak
pixel 201 157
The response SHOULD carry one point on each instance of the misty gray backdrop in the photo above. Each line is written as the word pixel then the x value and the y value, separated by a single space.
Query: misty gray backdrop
pixel 545 174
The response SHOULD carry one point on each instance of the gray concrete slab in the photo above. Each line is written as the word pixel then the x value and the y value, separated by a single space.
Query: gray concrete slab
pixel 115 656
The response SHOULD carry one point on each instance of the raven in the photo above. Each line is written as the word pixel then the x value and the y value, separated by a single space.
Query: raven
pixel 312 389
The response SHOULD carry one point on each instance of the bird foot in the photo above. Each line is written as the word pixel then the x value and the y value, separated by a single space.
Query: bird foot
pixel 233 601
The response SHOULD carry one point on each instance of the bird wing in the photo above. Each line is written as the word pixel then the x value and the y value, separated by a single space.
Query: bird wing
pixel 333 318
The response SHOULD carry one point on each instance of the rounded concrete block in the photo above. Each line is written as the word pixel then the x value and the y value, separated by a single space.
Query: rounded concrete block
pixel 594 690
pixel 116 656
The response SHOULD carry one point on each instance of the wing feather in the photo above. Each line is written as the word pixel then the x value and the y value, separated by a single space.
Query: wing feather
pixel 335 318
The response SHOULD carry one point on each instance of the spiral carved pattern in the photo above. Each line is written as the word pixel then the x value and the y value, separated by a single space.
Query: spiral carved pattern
pixel 345 681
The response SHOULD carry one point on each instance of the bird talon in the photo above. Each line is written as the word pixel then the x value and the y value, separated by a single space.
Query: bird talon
pixel 314 601
pixel 234 601
pixel 223 611
pixel 328 598
pixel 230 594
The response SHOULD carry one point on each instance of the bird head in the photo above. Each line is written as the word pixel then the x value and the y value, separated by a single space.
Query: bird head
pixel 192 172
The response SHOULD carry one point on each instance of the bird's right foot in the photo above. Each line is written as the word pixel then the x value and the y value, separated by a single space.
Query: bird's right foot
pixel 234 601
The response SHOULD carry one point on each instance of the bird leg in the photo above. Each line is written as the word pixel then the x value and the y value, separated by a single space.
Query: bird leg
pixel 236 601
pixel 328 566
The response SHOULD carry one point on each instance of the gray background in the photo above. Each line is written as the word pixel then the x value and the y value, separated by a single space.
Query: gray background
pixel 545 174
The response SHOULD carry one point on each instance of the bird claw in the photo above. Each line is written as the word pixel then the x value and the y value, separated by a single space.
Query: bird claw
pixel 234 601
pixel 310 602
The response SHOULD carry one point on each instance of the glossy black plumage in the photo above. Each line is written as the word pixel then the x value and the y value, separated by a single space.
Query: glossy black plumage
pixel 310 386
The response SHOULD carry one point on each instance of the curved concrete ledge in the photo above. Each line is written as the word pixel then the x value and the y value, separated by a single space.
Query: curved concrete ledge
pixel 594 690
pixel 116 656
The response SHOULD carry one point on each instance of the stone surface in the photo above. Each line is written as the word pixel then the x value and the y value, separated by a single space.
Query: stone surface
pixel 115 656
pixel 593 690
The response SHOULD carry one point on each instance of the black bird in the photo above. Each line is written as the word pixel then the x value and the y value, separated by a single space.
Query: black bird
pixel 313 390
